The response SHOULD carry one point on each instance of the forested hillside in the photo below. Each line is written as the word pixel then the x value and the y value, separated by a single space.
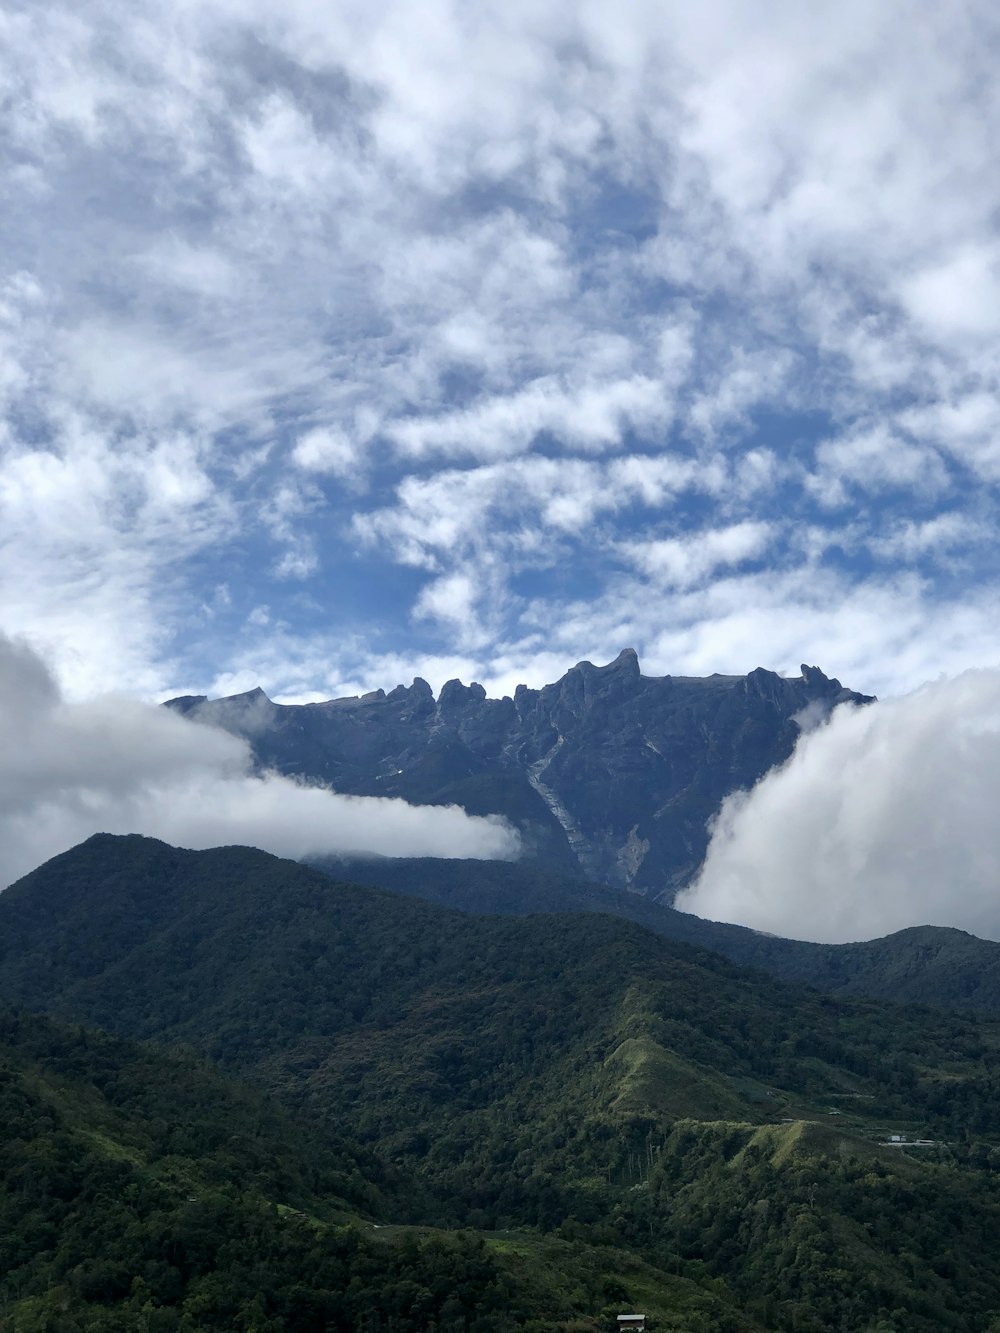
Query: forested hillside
pixel 141 1190
pixel 568 1086
pixel 929 965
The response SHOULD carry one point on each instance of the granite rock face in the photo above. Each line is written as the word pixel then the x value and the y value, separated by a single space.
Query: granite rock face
pixel 606 771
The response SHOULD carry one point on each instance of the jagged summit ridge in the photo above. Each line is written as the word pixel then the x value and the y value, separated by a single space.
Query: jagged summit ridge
pixel 625 664
pixel 604 770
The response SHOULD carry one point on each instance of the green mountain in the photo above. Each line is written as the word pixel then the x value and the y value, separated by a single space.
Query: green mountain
pixel 930 965
pixel 572 1086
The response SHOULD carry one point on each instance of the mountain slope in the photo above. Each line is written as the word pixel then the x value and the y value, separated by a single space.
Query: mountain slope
pixel 606 770
pixel 141 1190
pixel 928 965
pixel 546 1072
pixel 809 1228
pixel 408 1022
pixel 934 965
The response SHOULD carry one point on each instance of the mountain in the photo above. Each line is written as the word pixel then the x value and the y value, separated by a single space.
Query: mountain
pixel 607 771
pixel 575 1076
pixel 928 965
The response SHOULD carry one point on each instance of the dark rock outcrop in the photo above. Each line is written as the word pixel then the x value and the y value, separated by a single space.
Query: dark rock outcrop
pixel 606 770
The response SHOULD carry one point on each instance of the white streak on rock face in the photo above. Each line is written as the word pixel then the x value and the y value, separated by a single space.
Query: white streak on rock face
pixel 580 845
pixel 884 818
pixel 113 765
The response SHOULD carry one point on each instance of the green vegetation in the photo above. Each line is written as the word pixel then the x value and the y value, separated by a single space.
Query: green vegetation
pixel 927 965
pixel 608 1118
pixel 816 1231
pixel 140 1190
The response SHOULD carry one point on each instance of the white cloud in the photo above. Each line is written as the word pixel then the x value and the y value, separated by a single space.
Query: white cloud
pixel 357 245
pixel 742 382
pixel 327 450
pixel 882 819
pixel 297 564
pixel 880 636
pixel 91 532
pixel 938 536
pixel 966 426
pixel 873 460
pixel 457 601
pixel 521 509
pixel 588 415
pixel 113 765
pixel 683 562
pixel 289 502
pixel 960 296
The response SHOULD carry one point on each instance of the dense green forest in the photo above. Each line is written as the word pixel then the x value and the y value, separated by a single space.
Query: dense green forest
pixel 141 1190
pixel 930 965
pixel 594 1115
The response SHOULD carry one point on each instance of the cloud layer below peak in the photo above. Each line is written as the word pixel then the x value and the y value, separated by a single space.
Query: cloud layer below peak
pixel 113 765
pixel 884 817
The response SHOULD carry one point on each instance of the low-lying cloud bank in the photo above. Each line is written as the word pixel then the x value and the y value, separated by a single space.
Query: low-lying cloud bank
pixel 885 817
pixel 114 765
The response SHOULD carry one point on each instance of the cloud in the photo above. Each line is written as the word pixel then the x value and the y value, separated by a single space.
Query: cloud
pixel 685 562
pixel 455 599
pixel 871 461
pixel 874 635
pixel 93 533
pixel 967 426
pixel 326 450
pixel 937 536
pixel 114 765
pixel 383 251
pixel 525 509
pixel 959 297
pixel 589 414
pixel 883 818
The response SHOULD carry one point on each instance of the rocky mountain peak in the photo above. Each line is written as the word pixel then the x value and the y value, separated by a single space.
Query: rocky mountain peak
pixel 418 690
pixel 625 664
pixel 604 770
pixel 455 696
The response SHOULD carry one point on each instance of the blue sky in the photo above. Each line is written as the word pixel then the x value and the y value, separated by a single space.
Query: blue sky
pixel 340 344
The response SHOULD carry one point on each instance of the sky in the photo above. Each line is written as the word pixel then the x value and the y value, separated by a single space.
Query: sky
pixel 345 343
